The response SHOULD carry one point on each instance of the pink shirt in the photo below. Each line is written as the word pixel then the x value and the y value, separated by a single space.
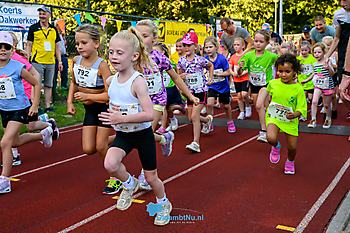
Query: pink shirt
pixel 27 86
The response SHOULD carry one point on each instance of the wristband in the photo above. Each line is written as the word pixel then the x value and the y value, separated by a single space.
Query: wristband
pixel 346 73
pixel 60 62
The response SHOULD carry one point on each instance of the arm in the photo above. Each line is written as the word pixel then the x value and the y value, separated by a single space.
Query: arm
pixel 334 44
pixel 328 66
pixel 35 82
pixel 72 89
pixel 29 47
pixel 250 42
pixel 308 79
pixel 35 73
pixel 225 53
pixel 313 42
pixel 58 56
pixel 211 72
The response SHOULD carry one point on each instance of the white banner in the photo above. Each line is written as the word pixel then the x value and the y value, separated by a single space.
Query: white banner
pixel 18 17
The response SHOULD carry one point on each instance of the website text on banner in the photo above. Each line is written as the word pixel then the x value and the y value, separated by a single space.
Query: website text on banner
pixel 170 31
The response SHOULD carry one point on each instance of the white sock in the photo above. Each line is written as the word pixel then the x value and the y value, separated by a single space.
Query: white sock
pixel 173 118
pixel 15 152
pixel 313 118
pixel 162 201
pixel 328 118
pixel 163 140
pixel 129 183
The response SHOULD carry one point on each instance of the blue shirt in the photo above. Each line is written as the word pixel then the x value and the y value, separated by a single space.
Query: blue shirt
pixel 13 70
pixel 220 63
pixel 316 36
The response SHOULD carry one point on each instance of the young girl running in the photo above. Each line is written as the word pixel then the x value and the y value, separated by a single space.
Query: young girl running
pixel 307 69
pixel 220 84
pixel 131 112
pixel 288 103
pixel 90 72
pixel 323 84
pixel 241 82
pixel 15 108
pixel 190 68
pixel 259 63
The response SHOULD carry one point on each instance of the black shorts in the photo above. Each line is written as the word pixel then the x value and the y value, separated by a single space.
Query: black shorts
pixel 91 114
pixel 17 115
pixel 256 89
pixel 34 117
pixel 173 97
pixel 143 141
pixel 242 86
pixel 341 63
pixel 202 96
pixel 224 98
pixel 311 91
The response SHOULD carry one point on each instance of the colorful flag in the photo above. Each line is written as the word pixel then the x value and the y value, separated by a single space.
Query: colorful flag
pixel 89 17
pixel 133 23
pixel 78 19
pixel 62 25
pixel 119 25
pixel 103 21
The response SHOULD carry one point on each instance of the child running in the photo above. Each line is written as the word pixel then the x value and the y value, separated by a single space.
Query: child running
pixel 90 72
pixel 220 84
pixel 241 82
pixel 259 63
pixel 191 68
pixel 288 103
pixel 323 84
pixel 15 108
pixel 131 112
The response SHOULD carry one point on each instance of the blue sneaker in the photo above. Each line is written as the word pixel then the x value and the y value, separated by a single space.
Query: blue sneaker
pixel 167 147
pixel 49 109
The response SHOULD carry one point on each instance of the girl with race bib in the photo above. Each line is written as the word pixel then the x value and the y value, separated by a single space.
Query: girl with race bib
pixel 323 84
pixel 191 68
pixel 15 108
pixel 307 69
pixel 241 82
pixel 220 84
pixel 259 63
pixel 288 103
pixel 131 112
pixel 90 72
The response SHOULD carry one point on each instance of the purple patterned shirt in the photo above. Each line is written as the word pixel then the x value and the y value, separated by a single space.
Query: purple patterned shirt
pixel 163 64
pixel 195 66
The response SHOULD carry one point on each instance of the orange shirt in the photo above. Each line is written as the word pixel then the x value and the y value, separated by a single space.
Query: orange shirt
pixel 234 63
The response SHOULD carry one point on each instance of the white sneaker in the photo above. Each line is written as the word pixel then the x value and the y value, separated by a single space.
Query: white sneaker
pixel 193 147
pixel 340 101
pixel 262 137
pixel 163 217
pixel 204 110
pixel 5 184
pixel 248 111
pixel 125 198
pixel 301 118
pixel 206 126
pixel 47 136
pixel 322 110
pixel 143 183
pixel 174 124
pixel 312 124
pixel 241 116
pixel 327 124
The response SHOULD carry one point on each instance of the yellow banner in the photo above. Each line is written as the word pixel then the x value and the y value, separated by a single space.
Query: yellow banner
pixel 169 31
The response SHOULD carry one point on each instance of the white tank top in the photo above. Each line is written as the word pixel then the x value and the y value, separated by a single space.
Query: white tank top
pixel 122 100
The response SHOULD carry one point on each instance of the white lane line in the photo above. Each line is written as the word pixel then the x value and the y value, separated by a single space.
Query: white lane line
pixel 50 165
pixel 308 217
pixel 70 130
pixel 105 211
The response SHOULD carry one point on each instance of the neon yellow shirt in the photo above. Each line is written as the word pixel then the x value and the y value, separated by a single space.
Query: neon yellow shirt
pixel 307 65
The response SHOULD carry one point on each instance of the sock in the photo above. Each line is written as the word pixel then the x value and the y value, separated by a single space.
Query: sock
pixel 264 130
pixel 129 183
pixel 163 140
pixel 290 161
pixel 172 119
pixel 328 118
pixel 278 145
pixel 313 118
pixel 15 152
pixel 162 201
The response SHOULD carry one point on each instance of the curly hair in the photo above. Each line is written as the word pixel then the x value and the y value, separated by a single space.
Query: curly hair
pixel 291 59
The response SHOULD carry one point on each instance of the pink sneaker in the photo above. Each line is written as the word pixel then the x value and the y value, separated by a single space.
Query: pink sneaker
pixel 275 154
pixel 231 127
pixel 211 128
pixel 161 130
pixel 47 136
pixel 289 168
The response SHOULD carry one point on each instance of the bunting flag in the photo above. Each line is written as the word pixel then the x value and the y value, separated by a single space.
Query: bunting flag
pixel 157 22
pixel 89 17
pixel 133 23
pixel 62 25
pixel 103 21
pixel 119 25
pixel 78 19
pixel 207 27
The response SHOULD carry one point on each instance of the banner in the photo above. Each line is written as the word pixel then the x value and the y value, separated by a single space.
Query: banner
pixel 169 32
pixel 103 22
pixel 18 17
pixel 62 25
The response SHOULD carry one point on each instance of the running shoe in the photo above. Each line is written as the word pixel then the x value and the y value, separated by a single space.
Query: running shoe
pixel 204 110
pixel 340 101
pixel 349 139
pixel 301 118
pixel 262 137
pixel 125 199
pixel 5 184
pixel 206 126
pixel 231 127
pixel 217 105
pixel 163 217
pixel 248 111
pixel 289 168
pixel 49 109
pixel 211 128
pixel 174 125
pixel 143 183
pixel 327 124
pixel 15 162
pixel 44 118
pixel 56 132
pixel 193 147
pixel 275 154
pixel 161 130
pixel 241 116
pixel 47 136
pixel 167 147
pixel 312 124
pixel 114 185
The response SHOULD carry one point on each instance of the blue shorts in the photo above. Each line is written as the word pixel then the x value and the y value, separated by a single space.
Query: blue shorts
pixel 173 97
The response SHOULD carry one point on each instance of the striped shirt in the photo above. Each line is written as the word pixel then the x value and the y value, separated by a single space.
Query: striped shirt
pixel 320 69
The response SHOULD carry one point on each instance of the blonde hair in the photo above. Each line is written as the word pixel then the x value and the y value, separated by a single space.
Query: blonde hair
pixel 151 24
pixel 213 40
pixel 265 33
pixel 94 33
pixel 321 45
pixel 249 49
pixel 135 39
pixel 286 45
pixel 240 39
pixel 305 43
pixel 19 51
pixel 327 38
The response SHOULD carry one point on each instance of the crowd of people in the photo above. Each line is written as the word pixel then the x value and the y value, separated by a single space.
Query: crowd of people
pixel 149 84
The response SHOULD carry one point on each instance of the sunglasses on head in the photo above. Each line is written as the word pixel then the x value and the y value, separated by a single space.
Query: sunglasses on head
pixel 7 46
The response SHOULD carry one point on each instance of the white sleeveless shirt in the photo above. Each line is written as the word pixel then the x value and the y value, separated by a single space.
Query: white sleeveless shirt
pixel 122 100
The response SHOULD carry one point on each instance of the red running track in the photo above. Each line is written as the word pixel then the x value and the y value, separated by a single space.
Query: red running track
pixel 240 191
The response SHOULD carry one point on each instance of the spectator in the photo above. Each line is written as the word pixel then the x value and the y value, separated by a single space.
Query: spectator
pixel 25 36
pixel 306 34
pixel 43 45
pixel 64 55
pixel 274 36
pixel 321 30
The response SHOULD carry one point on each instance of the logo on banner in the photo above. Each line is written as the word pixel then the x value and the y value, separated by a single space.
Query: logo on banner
pixel 161 32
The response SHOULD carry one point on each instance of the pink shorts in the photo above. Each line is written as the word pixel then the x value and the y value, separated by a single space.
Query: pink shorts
pixel 326 91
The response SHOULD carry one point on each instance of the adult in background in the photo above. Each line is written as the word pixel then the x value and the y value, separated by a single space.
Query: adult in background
pixel 63 45
pixel 274 36
pixel 231 32
pixel 43 45
pixel 306 34
pixel 321 30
